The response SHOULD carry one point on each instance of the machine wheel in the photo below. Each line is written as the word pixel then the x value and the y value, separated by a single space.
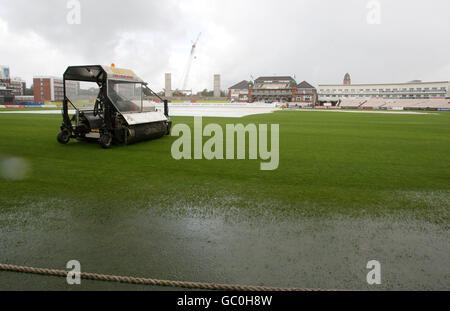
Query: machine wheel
pixel 168 125
pixel 63 137
pixel 105 141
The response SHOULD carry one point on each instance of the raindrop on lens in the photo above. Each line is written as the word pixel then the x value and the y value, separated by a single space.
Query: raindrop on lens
pixel 14 168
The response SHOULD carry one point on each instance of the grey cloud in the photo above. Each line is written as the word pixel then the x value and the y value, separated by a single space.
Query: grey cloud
pixel 318 40
pixel 321 40
pixel 102 22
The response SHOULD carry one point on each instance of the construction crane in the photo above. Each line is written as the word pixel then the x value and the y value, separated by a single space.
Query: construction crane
pixel 188 67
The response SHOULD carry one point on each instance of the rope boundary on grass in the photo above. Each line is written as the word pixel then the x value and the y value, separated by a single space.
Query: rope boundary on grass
pixel 153 282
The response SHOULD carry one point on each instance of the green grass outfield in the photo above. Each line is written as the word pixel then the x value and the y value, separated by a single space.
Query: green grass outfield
pixel 330 164
pixel 29 109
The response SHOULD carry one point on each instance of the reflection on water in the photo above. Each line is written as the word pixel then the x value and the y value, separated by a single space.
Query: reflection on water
pixel 317 253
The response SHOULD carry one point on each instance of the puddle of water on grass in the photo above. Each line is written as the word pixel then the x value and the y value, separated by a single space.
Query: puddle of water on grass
pixel 331 252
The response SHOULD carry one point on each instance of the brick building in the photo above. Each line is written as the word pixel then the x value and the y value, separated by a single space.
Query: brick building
pixel 306 94
pixel 48 88
pixel 239 92
pixel 347 79
pixel 273 89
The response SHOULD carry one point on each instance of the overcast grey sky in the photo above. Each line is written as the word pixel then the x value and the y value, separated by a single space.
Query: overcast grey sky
pixel 316 40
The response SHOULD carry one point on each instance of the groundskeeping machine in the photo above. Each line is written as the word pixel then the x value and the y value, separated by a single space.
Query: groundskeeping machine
pixel 109 107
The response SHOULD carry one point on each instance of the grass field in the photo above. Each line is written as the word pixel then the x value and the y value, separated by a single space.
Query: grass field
pixel 332 165
pixel 28 109
pixel 329 163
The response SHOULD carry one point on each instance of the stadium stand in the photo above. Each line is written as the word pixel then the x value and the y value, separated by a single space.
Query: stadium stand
pixel 351 103
pixel 398 103
pixel 374 103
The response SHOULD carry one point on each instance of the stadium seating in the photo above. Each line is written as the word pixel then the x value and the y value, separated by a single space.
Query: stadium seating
pixel 378 103
pixel 351 103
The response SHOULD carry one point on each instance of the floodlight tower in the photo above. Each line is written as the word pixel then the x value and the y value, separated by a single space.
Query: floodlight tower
pixel 188 67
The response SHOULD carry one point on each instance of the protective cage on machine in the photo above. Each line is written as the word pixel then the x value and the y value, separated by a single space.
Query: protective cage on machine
pixel 109 107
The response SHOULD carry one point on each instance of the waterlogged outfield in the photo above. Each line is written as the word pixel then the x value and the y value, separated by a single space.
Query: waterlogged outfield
pixel 350 188
pixel 330 164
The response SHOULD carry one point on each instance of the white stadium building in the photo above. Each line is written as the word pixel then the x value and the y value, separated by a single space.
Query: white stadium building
pixel 414 94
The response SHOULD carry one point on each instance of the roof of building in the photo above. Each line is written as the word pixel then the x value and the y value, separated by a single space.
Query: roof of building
pixel 47 77
pixel 305 85
pixel 240 86
pixel 274 79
